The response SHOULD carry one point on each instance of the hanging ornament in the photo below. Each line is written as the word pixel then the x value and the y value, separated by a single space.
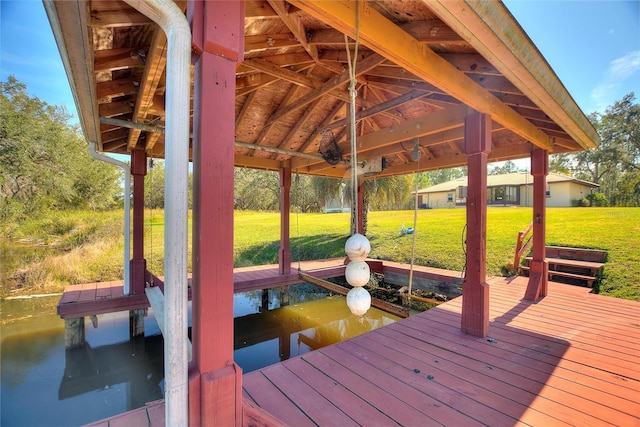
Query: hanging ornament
pixel 357 247
pixel 357 274
pixel 358 301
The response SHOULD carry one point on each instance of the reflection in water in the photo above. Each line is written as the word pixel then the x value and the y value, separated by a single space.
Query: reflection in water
pixel 44 385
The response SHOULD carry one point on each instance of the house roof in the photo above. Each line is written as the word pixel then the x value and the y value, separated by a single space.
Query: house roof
pixel 513 179
pixel 422 67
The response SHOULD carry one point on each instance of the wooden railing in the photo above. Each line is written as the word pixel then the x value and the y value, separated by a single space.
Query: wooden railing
pixel 525 239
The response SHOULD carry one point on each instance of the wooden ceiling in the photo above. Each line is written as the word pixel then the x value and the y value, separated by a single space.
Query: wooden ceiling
pixel 421 67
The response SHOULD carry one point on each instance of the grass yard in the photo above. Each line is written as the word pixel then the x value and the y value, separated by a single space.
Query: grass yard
pixel 439 242
pixel 439 239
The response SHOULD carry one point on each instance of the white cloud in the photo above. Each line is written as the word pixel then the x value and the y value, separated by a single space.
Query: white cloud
pixel 620 70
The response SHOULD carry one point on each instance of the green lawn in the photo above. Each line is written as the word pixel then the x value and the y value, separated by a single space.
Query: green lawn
pixel 97 255
pixel 439 241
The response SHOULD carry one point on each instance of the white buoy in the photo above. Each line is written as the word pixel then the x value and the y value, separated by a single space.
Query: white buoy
pixel 357 247
pixel 357 273
pixel 358 301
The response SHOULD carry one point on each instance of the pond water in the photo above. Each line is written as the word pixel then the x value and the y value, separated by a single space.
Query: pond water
pixel 42 384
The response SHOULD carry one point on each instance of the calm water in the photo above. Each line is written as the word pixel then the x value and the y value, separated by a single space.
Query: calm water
pixel 44 385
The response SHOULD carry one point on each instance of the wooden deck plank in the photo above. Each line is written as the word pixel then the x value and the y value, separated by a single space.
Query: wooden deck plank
pixel 267 395
pixel 350 403
pixel 460 379
pixel 378 397
pixel 580 328
pixel 457 369
pixel 526 344
pixel 517 375
pixel 436 411
pixel 608 360
pixel 316 406
pixel 415 373
pixel 611 332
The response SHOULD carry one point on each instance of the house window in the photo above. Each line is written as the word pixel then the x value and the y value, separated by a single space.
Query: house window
pixel 503 194
pixel 548 193
pixel 449 197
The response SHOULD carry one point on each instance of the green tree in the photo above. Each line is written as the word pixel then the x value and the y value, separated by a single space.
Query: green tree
pixel 256 189
pixel 444 175
pixel 154 185
pixel 507 167
pixel 615 163
pixel 560 163
pixel 44 161
pixel 380 193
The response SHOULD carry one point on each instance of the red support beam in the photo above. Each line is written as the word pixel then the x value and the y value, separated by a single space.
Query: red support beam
pixel 539 268
pixel 215 387
pixel 475 290
pixel 284 254
pixel 138 264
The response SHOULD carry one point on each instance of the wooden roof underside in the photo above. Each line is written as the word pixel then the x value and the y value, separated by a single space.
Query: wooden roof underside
pixel 421 68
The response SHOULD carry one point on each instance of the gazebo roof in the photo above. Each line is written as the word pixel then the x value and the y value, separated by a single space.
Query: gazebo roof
pixel 422 66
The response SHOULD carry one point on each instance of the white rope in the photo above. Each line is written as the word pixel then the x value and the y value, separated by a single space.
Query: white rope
pixel 352 118
pixel 415 226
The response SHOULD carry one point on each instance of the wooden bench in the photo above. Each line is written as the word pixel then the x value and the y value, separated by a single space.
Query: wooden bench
pixel 587 279
pixel 587 271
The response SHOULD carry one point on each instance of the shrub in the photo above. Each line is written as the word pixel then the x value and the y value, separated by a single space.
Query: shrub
pixel 598 199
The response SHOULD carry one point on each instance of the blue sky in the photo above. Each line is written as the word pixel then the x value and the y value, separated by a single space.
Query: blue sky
pixel 593 46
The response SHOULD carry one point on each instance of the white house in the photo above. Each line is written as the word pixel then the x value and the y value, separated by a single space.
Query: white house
pixel 512 189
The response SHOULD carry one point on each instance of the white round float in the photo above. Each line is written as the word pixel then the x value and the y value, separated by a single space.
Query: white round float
pixel 357 274
pixel 358 301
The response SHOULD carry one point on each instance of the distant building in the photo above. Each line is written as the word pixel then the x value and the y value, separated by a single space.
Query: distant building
pixel 512 189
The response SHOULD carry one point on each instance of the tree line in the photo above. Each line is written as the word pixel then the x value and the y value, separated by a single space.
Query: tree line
pixel 45 165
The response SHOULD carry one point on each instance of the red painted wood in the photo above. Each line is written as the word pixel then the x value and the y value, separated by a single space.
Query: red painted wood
pixel 194 394
pixel 136 418
pixel 220 24
pixel 539 268
pixel 253 415
pixel 475 291
pixel 359 410
pixel 219 401
pixel 265 394
pixel 380 397
pixel 138 264
pixel 156 414
pixel 395 378
pixel 312 403
pixel 284 254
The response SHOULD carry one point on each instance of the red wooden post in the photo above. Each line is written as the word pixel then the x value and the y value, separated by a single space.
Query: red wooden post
pixel 215 387
pixel 361 207
pixel 475 290
pixel 138 264
pixel 539 268
pixel 284 254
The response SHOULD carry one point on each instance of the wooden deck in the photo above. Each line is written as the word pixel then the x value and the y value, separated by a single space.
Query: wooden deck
pixel 107 297
pixel 572 358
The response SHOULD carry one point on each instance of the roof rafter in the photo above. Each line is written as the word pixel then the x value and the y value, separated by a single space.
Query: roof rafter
pixel 295 25
pixel 150 80
pixel 386 38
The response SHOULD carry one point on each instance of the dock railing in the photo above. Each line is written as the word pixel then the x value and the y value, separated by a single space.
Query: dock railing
pixel 525 239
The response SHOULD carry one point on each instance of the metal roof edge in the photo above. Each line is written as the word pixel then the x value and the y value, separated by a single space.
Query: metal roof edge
pixel 81 83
